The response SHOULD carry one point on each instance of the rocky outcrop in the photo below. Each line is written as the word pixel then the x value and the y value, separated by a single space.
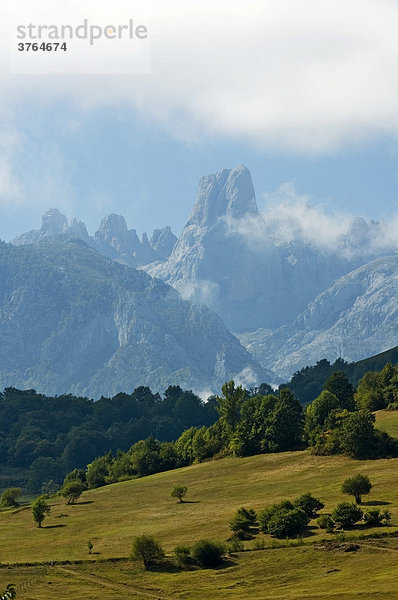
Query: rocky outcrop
pixel 113 238
pixel 227 258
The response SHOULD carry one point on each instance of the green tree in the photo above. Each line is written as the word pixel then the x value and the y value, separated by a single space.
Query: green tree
pixel 318 411
pixel 357 486
pixel 229 405
pixel 40 509
pixel 357 435
pixel 179 491
pixel 347 514
pixel 339 385
pixel 73 490
pixel 145 548
pixel 369 395
pixel 90 546
pixel 309 505
pixel 9 497
pixel 285 427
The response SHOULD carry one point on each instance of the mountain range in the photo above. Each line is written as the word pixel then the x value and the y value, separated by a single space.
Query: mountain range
pixel 290 298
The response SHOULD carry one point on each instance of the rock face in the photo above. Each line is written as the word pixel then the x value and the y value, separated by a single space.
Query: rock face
pixel 227 258
pixel 113 238
pixel 72 320
pixel 355 317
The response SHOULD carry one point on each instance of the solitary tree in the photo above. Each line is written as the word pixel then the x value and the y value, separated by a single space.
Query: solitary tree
pixel 357 486
pixel 40 509
pixel 90 546
pixel 179 491
pixel 9 497
pixel 73 490
pixel 145 548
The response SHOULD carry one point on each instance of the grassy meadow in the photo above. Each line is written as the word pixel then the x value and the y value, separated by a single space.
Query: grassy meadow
pixel 113 515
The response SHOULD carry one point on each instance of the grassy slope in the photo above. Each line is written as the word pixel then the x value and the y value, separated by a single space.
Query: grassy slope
pixel 112 516
pixel 387 420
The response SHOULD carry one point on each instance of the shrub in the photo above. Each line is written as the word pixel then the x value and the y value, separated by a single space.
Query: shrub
pixel 265 515
pixel 357 486
pixel 259 545
pixel 9 497
pixel 386 517
pixel 309 505
pixel 287 523
pixel 207 554
pixel 235 544
pixel 179 491
pixel 145 548
pixel 249 514
pixel 372 517
pixel 182 555
pixel 325 522
pixel 347 514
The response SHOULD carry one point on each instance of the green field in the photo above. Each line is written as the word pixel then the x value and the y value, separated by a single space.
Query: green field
pixel 387 420
pixel 113 515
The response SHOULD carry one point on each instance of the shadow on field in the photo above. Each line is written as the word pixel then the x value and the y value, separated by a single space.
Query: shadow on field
pixel 53 526
pixel 375 503
pixel 190 502
pixel 80 503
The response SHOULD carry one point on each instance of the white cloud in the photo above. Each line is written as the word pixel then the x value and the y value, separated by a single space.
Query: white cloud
pixel 308 76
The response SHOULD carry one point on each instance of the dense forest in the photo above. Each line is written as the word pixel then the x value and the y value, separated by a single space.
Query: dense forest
pixel 51 435
pixel 135 434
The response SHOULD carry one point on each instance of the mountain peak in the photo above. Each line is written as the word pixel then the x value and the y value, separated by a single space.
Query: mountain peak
pixel 53 222
pixel 226 193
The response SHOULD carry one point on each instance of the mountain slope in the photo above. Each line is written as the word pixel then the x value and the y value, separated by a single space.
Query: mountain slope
pixel 230 258
pixel 72 320
pixel 355 317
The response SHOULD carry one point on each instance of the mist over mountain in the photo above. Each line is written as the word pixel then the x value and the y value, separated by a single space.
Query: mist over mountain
pixel 259 270
pixel 296 284
pixel 71 320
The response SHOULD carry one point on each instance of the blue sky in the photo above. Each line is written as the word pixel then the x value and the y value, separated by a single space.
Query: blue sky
pixel 303 94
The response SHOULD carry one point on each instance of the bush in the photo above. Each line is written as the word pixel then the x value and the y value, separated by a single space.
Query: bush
pixel 145 548
pixel 259 545
pixel 372 517
pixel 325 522
pixel 208 554
pixel 182 555
pixel 9 497
pixel 309 505
pixel 357 486
pixel 235 544
pixel 347 514
pixel 265 515
pixel 249 514
pixel 287 523
pixel 386 517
